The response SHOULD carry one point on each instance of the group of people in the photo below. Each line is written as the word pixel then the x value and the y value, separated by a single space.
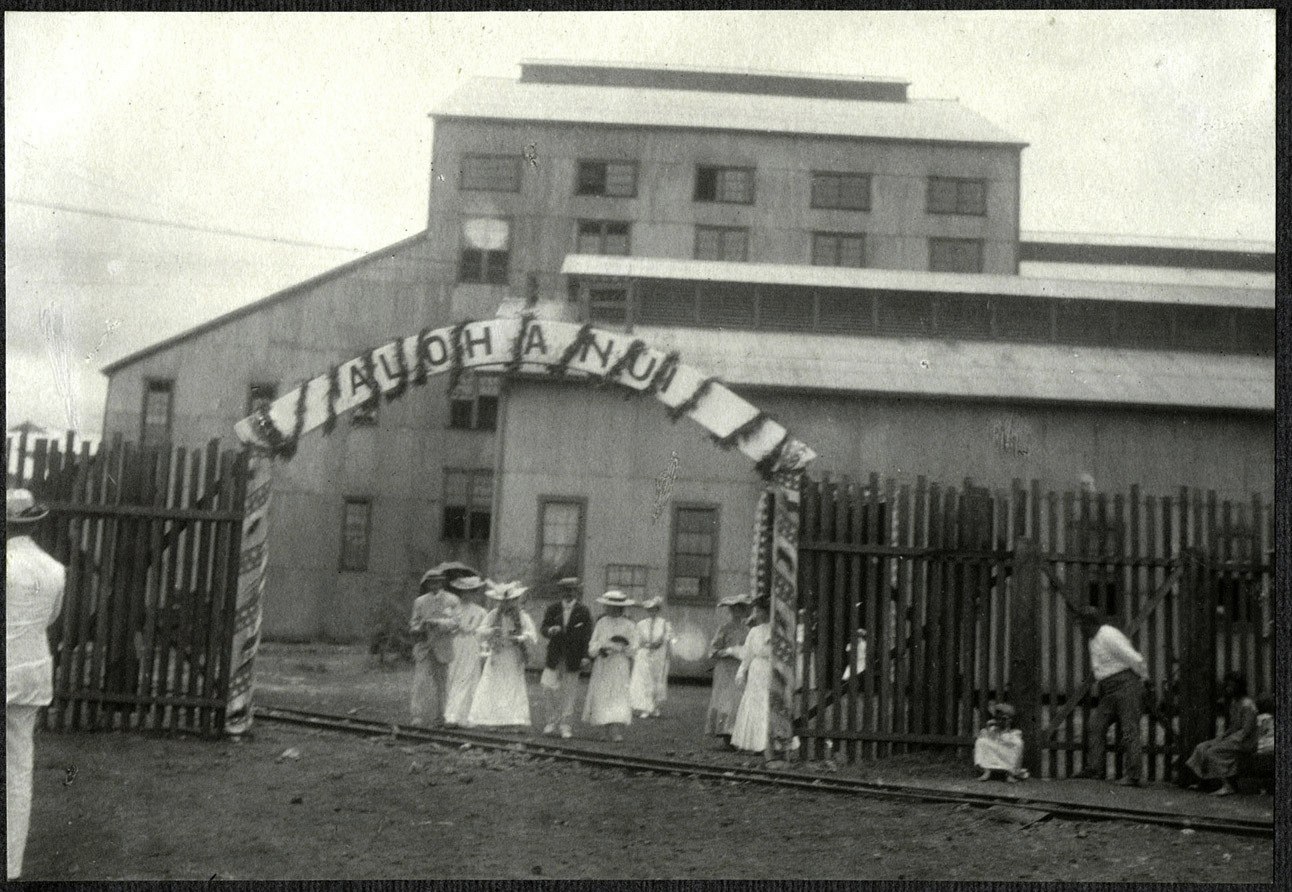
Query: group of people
pixel 741 651
pixel 469 660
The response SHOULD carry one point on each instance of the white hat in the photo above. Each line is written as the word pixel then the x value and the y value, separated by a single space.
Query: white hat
pixel 733 600
pixel 652 603
pixel 509 591
pixel 569 582
pixel 615 598
pixel 465 583
pixel 20 506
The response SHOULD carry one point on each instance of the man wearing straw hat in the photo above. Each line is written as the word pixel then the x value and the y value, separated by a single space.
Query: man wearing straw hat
pixel 435 620
pixel 33 598
pixel 567 626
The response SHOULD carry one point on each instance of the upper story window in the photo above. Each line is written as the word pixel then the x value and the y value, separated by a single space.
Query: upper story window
pixel 951 195
pixel 838 249
pixel 732 185
pixel 486 251
pixel 158 403
pixel 603 237
pixel 955 255
pixel 612 179
pixel 473 404
pixel 845 191
pixel 356 534
pixel 490 173
pixel 261 394
pixel 721 243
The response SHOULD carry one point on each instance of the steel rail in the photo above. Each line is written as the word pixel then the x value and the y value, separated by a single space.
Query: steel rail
pixel 765 776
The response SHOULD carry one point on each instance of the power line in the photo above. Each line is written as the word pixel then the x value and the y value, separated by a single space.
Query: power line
pixel 153 221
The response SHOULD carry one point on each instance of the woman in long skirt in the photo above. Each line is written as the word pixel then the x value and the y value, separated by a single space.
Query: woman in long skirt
pixel 613 644
pixel 468 657
pixel 501 699
pixel 649 687
pixel 1217 759
pixel 749 731
pixel 725 651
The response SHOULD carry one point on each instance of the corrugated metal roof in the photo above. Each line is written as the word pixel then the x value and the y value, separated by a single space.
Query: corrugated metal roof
pixel 921 120
pixel 912 280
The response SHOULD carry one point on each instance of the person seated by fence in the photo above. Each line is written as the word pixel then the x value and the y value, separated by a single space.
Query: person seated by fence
pixel 998 749
pixel 1218 758
pixel 649 687
pixel 749 731
pixel 612 648
pixel 725 651
pixel 1265 725
pixel 501 699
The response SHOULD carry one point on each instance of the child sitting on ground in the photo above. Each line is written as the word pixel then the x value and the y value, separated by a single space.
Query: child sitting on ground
pixel 999 747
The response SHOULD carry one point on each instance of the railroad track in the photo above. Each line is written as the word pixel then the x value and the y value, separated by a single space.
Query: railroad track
pixel 766 776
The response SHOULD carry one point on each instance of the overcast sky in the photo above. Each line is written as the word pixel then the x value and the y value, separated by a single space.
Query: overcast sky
pixel 311 132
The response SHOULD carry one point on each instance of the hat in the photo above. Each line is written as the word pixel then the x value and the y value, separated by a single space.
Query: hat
pixel 465 583
pixel 652 603
pixel 508 591
pixel 453 570
pixel 569 582
pixel 1001 710
pixel 615 598
pixel 20 506
pixel 1090 614
pixel 735 600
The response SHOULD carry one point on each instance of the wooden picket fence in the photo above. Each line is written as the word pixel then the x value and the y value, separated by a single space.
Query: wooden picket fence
pixel 958 597
pixel 150 539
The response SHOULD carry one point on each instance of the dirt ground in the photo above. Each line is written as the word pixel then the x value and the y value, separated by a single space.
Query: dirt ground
pixel 295 803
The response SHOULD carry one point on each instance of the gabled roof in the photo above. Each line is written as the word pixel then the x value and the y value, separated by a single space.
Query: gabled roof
pixel 911 280
pixel 918 120
pixel 257 305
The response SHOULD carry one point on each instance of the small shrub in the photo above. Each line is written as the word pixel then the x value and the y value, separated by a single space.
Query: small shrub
pixel 388 635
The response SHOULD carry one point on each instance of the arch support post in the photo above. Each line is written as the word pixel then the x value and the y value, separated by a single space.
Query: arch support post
pixel 785 492
pixel 252 561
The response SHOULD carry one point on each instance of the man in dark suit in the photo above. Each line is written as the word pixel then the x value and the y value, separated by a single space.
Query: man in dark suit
pixel 567 626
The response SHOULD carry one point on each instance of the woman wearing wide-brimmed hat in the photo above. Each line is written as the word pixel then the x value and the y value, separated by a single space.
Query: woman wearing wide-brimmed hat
pixel 613 644
pixel 750 729
pixel 33 599
pixel 649 687
pixel 464 667
pixel 725 651
pixel 501 699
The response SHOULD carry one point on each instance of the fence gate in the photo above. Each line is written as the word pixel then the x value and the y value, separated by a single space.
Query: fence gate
pixel 150 540
pixel 919 605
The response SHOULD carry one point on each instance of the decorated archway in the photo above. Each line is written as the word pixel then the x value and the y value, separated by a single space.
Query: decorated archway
pixel 527 344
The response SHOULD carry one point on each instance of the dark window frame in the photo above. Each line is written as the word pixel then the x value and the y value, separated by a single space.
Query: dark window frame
pixel 474 400
pixel 672 592
pixel 601 235
pixel 946 240
pixel 344 562
pixel 716 172
pixel 581 537
pixel 604 164
pixel 838 238
pixel 467 157
pixel 484 268
pixel 470 509
pixel 819 175
pixel 962 206
pixel 149 384
pixel 722 231
pixel 263 385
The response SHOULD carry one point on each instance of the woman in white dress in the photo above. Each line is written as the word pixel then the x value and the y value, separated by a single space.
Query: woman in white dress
pixel 649 687
pixel 501 699
pixel 468 656
pixel 724 650
pixel 613 644
pixel 749 731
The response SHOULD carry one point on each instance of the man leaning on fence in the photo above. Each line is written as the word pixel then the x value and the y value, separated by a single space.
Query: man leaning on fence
pixel 33 598
pixel 1119 671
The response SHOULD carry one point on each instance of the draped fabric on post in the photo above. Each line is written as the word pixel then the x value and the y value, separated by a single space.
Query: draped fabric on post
pixel 512 346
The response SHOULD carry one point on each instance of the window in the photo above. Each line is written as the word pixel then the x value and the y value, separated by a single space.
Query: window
pixel 721 243
pixel 948 195
pixel 838 249
pixel 486 243
pixel 602 237
pixel 613 179
pixel 356 531
pixel 560 536
pixel 260 395
pixel 158 400
pixel 468 505
pixel 964 316
pixel 608 304
pixel 695 546
pixel 955 255
pixel 628 578
pixel 1024 319
pixel 473 404
pixel 732 185
pixel 490 173
pixel 846 191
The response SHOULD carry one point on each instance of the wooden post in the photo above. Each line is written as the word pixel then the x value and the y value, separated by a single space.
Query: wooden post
pixel 1197 693
pixel 784 607
pixel 1025 649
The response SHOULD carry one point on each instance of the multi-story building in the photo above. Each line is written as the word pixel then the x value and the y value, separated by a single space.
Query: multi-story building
pixel 845 257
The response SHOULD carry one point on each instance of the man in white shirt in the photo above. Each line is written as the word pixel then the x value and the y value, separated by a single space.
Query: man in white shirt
pixel 33 599
pixel 1120 672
